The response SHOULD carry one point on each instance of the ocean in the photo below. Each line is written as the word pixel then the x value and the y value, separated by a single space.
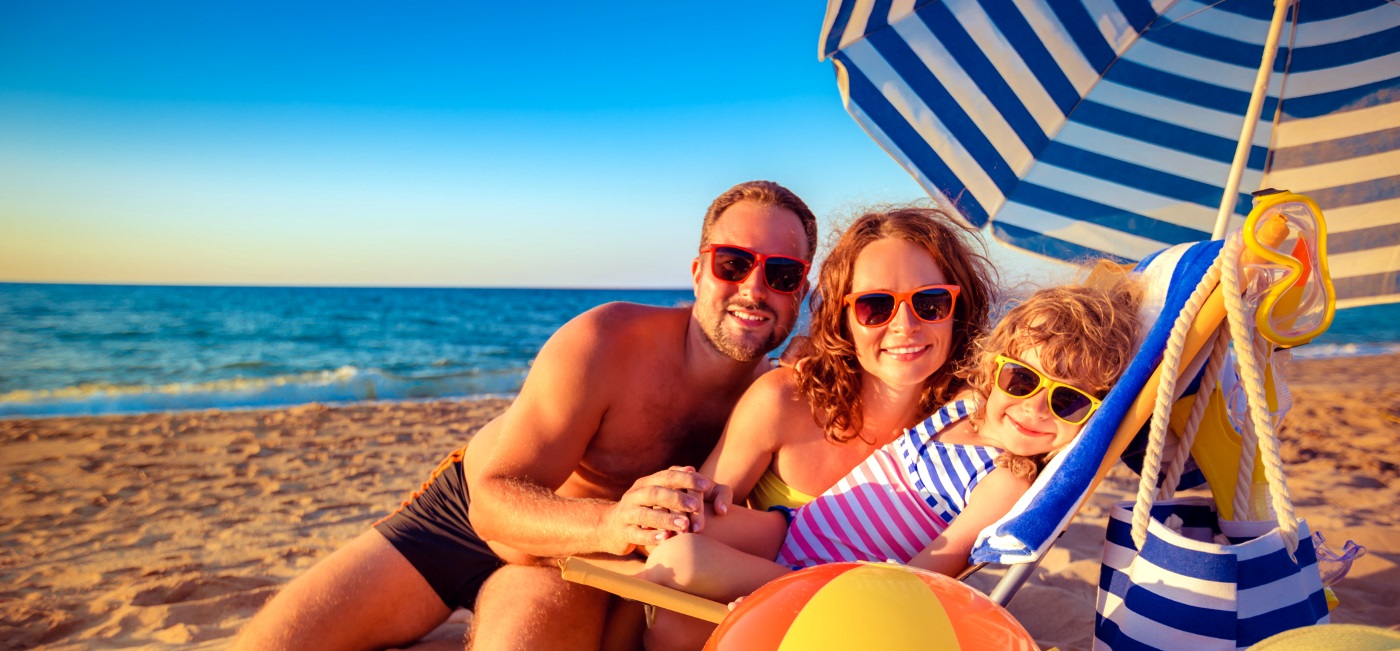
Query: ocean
pixel 107 349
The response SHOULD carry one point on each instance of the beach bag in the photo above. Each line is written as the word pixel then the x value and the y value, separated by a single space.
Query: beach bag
pixel 1175 574
pixel 1184 590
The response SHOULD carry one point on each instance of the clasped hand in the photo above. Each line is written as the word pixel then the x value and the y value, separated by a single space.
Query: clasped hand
pixel 662 505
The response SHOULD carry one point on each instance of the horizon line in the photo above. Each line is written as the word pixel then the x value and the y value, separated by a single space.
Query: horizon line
pixel 330 286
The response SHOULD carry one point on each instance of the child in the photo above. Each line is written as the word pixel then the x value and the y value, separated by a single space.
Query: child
pixel 923 499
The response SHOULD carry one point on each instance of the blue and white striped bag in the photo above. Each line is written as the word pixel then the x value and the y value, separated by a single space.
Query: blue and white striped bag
pixel 1177 576
pixel 1186 591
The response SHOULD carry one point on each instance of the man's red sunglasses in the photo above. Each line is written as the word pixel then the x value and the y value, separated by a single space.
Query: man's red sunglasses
pixel 733 264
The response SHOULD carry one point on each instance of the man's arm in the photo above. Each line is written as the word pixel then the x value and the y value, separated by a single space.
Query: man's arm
pixel 542 441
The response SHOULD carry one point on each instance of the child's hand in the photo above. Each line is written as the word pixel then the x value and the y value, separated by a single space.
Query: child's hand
pixel 735 604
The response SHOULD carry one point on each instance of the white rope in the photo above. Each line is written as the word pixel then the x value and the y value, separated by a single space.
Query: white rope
pixel 1252 376
pixel 1198 410
pixel 1244 505
pixel 1244 479
pixel 1166 391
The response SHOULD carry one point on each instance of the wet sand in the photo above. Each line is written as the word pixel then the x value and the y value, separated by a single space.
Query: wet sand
pixel 171 530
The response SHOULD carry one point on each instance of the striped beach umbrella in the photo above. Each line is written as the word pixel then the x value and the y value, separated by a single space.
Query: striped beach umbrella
pixel 876 606
pixel 1110 127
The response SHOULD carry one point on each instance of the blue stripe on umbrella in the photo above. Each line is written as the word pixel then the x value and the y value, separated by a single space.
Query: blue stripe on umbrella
pixel 1340 53
pixel 879 16
pixel 941 102
pixel 1379 284
pixel 838 27
pixel 1163 134
pixel 1315 11
pixel 1358 97
pixel 1184 38
pixel 911 144
pixel 1183 89
pixel 1085 34
pixel 1361 238
pixel 1138 12
pixel 1357 193
pixel 1081 209
pixel 941 23
pixel 1048 245
pixel 1257 10
pixel 1337 149
pixel 1007 17
pixel 1365 47
pixel 1136 176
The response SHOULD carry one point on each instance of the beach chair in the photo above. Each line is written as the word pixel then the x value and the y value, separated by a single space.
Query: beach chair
pixel 1179 285
pixel 1183 312
pixel 1188 286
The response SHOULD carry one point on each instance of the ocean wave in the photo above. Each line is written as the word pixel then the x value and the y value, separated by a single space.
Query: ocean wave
pixel 237 366
pixel 345 384
pixel 1328 351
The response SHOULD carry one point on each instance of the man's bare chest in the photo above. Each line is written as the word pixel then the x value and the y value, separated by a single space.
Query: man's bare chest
pixel 638 438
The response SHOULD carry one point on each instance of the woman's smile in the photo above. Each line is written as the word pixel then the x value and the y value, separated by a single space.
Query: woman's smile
pixel 907 353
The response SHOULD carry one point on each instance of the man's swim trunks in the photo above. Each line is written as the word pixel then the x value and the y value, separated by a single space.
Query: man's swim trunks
pixel 432 531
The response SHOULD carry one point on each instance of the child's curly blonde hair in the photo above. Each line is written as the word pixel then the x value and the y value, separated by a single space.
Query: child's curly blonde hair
pixel 1087 335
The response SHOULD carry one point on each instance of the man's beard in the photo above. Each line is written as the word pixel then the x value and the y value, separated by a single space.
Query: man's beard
pixel 741 351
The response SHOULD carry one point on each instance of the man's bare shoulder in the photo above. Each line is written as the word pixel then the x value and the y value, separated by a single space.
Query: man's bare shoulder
pixel 604 332
pixel 619 321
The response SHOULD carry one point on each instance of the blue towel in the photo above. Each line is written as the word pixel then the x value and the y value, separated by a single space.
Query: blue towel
pixel 1037 519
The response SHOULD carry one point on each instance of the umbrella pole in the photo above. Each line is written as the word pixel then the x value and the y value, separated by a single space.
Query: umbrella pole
pixel 1251 120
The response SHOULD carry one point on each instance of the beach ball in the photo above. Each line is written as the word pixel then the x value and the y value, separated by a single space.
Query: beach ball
pixel 877 606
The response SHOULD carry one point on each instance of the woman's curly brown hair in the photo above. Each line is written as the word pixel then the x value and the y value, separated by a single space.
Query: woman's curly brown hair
pixel 1087 335
pixel 830 377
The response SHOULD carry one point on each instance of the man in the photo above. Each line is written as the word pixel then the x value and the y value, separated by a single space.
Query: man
pixel 595 456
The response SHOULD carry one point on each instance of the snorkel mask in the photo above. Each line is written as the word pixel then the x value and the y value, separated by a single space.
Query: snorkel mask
pixel 1290 285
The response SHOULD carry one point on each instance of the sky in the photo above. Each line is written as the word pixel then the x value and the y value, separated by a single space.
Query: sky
pixel 410 143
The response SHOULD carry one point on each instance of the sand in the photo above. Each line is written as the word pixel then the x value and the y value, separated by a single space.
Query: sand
pixel 171 530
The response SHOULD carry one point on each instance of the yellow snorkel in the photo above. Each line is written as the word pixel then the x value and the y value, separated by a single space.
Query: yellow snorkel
pixel 1285 259
pixel 1287 237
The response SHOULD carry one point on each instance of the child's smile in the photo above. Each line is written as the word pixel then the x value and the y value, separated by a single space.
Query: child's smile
pixel 1025 426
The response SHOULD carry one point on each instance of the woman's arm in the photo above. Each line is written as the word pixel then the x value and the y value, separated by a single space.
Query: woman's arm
pixel 755 433
pixel 992 498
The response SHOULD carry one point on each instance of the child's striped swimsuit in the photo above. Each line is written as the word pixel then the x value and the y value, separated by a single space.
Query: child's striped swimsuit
pixel 896 502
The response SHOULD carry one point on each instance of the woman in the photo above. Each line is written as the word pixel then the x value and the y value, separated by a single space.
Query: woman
pixel 798 430
pixel 900 299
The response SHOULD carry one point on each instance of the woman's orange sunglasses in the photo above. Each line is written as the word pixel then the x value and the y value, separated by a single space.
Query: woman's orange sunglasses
pixel 930 303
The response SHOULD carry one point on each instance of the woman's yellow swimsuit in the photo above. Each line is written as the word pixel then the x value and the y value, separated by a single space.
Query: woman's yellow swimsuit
pixel 771 491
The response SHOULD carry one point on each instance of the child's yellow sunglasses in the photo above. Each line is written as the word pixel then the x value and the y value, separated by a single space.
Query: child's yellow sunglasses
pixel 1067 402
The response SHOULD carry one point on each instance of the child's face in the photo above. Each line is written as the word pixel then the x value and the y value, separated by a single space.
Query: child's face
pixel 1025 426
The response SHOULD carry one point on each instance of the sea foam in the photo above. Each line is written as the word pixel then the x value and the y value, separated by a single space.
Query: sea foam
pixel 1325 351
pixel 345 384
